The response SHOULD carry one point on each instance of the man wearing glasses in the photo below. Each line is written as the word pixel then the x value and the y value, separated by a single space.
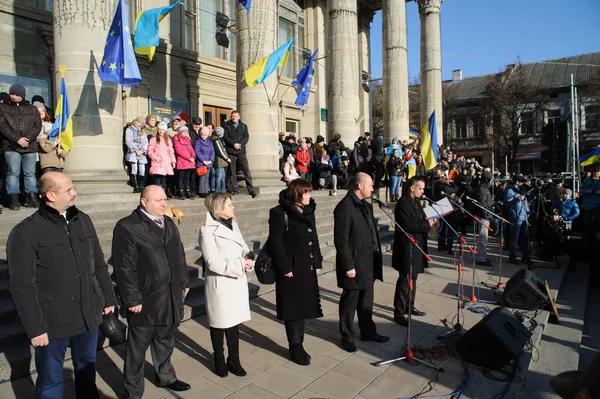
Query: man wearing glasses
pixel 60 286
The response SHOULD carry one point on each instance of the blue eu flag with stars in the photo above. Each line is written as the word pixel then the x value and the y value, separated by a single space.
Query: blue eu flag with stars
pixel 118 63
pixel 304 80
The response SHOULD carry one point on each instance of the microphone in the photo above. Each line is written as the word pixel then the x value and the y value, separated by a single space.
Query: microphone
pixel 379 202
pixel 423 197
pixel 471 199
pixel 453 195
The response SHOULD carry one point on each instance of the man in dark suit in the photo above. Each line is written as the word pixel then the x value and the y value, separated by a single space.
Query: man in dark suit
pixel 152 279
pixel 358 261
pixel 235 138
pixel 60 286
pixel 410 216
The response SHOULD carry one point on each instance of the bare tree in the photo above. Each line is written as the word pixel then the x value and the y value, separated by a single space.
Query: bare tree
pixel 377 98
pixel 414 102
pixel 514 106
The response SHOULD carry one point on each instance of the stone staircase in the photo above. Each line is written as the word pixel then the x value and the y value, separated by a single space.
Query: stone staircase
pixel 107 202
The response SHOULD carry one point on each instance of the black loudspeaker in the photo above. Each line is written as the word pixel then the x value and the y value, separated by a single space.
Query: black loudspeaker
pixel 498 338
pixel 524 291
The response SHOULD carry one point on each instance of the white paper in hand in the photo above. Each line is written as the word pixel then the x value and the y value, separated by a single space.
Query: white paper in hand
pixel 438 209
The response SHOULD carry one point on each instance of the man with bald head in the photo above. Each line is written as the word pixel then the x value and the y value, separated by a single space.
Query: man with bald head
pixel 358 261
pixel 151 273
pixel 60 286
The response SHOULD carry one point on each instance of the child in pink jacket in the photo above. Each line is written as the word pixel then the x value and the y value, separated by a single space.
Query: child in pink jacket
pixel 162 156
pixel 186 162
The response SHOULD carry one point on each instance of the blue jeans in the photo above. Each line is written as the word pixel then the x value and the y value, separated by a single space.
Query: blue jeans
pixel 396 181
pixel 203 183
pixel 519 234
pixel 49 362
pixel 219 176
pixel 14 161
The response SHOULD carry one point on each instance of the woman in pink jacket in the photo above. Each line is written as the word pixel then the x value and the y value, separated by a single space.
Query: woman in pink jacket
pixel 186 162
pixel 162 156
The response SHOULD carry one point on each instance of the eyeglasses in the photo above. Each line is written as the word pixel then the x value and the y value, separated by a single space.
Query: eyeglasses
pixel 69 191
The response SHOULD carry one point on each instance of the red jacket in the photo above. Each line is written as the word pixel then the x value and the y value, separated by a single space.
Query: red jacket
pixel 302 160
pixel 184 151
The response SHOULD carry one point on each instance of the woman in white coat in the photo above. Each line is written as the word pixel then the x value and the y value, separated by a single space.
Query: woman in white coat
pixel 226 287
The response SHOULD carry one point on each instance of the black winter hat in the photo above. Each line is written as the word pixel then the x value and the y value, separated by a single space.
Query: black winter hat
pixel 18 90
pixel 320 139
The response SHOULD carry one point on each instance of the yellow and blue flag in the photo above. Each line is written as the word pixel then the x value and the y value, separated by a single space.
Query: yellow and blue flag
pixel 118 62
pixel 429 147
pixel 147 33
pixel 260 71
pixel 246 4
pixel 590 158
pixel 412 133
pixel 411 165
pixel 304 80
pixel 63 125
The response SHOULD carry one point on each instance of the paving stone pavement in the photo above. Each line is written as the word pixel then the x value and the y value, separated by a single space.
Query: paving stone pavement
pixel 333 372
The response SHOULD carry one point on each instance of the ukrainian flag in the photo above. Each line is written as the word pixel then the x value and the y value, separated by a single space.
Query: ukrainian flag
pixel 63 125
pixel 590 158
pixel 429 147
pixel 258 72
pixel 412 167
pixel 147 30
pixel 412 133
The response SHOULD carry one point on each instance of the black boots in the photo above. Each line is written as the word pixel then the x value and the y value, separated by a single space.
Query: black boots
pixel 134 183
pixel 13 202
pixel 188 193
pixel 220 365
pixel 299 355
pixel 32 200
pixel 181 194
pixel 234 365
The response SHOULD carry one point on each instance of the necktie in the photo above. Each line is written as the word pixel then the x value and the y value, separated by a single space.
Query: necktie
pixel 160 223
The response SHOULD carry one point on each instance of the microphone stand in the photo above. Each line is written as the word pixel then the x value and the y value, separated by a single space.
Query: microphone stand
pixel 408 353
pixel 499 286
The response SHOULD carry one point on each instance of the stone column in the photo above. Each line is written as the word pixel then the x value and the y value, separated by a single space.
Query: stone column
pixel 395 70
pixel 365 17
pixel 192 73
pixel 431 63
pixel 96 107
pixel 136 98
pixel 256 38
pixel 343 83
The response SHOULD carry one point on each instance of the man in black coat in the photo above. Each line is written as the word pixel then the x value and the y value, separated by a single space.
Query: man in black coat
pixel 358 261
pixel 235 138
pixel 377 149
pixel 152 279
pixel 410 216
pixel 483 194
pixel 60 286
pixel 20 125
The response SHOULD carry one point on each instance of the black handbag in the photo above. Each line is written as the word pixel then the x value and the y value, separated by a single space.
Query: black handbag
pixel 263 266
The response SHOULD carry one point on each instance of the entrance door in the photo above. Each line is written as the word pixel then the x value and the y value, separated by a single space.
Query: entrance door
pixel 216 116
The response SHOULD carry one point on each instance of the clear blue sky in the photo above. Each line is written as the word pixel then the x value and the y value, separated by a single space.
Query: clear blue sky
pixel 534 30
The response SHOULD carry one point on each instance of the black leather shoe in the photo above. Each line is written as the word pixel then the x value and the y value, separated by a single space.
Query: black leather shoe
pixel 349 346
pixel 235 367
pixel 253 195
pixel 177 386
pixel 299 355
pixel 375 338
pixel 221 366
pixel 403 321
pixel 417 312
pixel 486 262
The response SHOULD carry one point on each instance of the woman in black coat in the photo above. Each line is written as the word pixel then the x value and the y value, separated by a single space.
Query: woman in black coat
pixel 296 257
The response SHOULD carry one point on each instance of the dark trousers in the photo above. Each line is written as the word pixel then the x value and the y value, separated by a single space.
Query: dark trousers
pixel 232 334
pixel 294 329
pixel 161 341
pixel 378 166
pixel 239 162
pixel 519 234
pixel 402 294
pixel 361 302
pixel 49 362
pixel 183 179
pixel 160 180
pixel 446 236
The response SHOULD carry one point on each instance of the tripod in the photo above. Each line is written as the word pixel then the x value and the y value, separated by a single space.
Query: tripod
pixel 408 353
pixel 502 222
pixel 476 220
pixel 533 227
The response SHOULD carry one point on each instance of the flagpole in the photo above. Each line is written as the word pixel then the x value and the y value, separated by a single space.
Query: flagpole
pixel 284 93
pixel 267 93
pixel 62 69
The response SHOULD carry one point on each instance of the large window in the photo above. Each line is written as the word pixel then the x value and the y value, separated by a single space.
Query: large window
pixel 554 116
pixel 527 123
pixel 291 23
pixel 292 126
pixel 208 12
pixel 592 117
pixel 461 128
pixel 133 7
pixel 478 127
pixel 188 34
pixel 286 32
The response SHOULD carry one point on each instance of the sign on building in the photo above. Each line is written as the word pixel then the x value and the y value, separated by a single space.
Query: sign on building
pixel 164 108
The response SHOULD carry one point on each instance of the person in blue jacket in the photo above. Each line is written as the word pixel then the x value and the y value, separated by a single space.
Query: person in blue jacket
pixel 518 212
pixel 567 207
